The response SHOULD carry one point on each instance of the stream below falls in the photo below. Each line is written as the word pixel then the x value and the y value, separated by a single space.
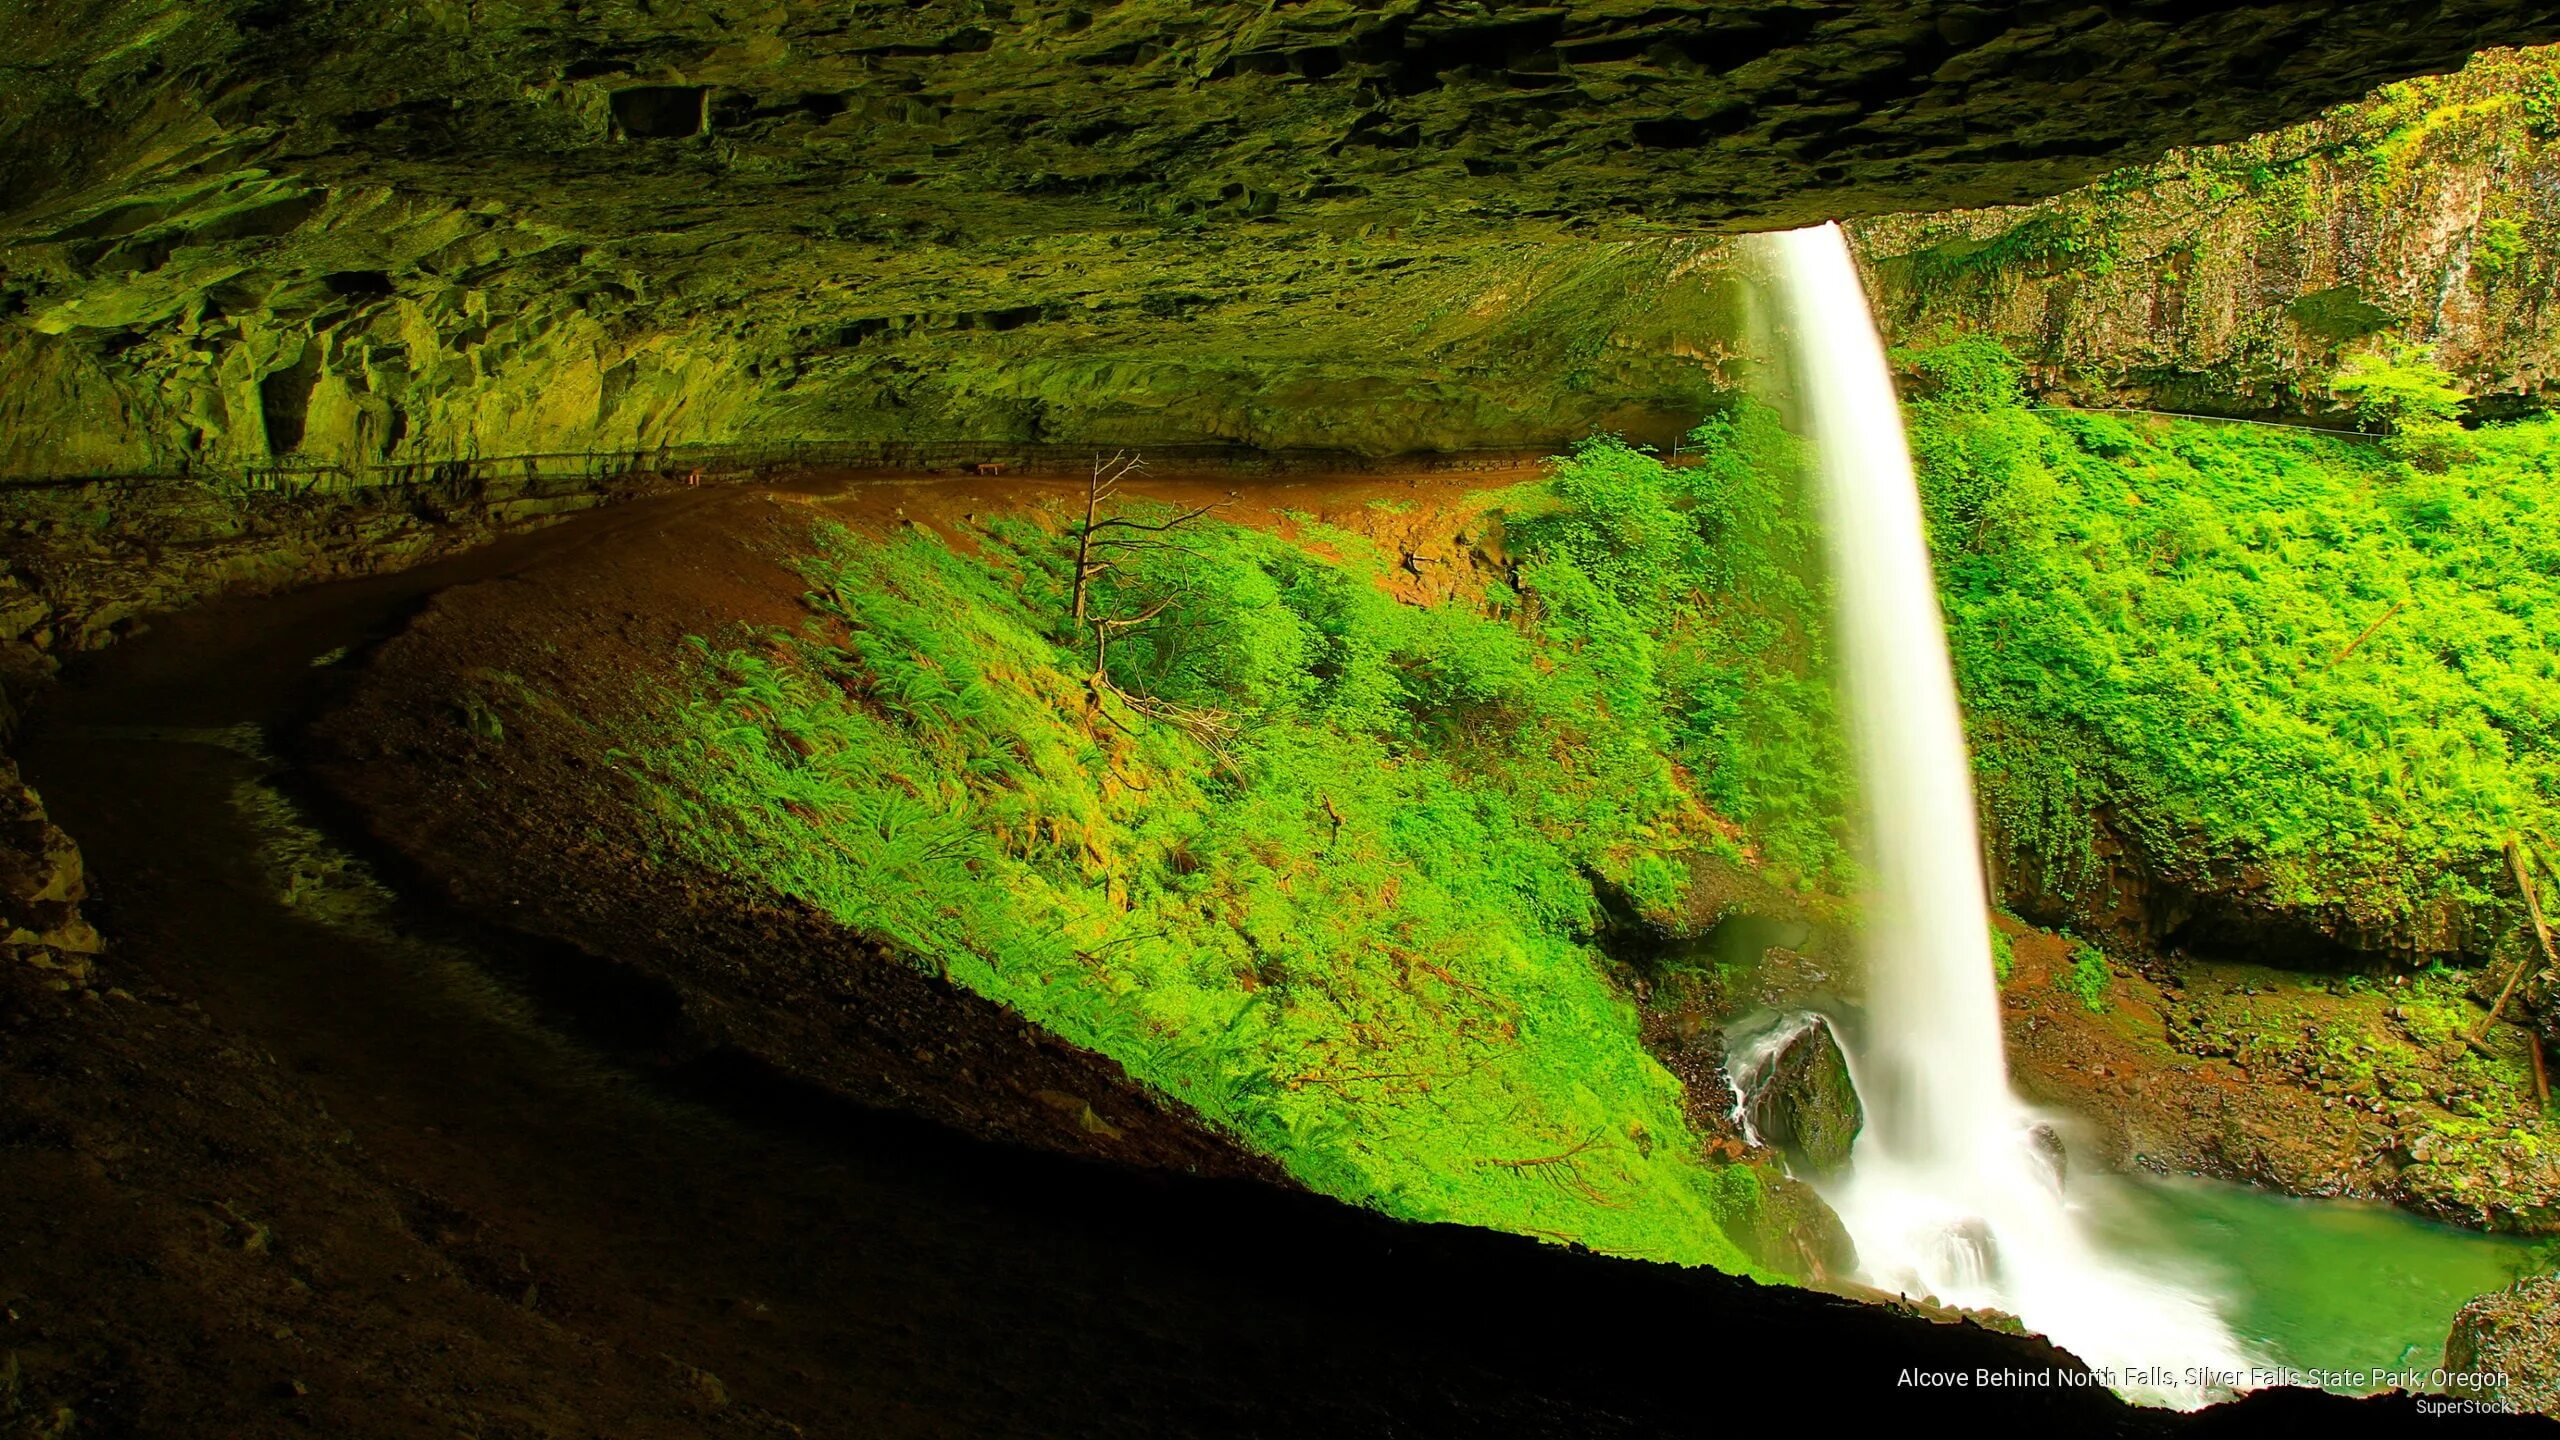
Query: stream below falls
pixel 2334 1289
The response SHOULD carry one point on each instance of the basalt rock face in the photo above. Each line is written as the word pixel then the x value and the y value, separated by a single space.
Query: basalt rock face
pixel 2232 279
pixel 338 233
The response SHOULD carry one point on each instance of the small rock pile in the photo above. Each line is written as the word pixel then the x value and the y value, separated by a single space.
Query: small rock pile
pixel 42 884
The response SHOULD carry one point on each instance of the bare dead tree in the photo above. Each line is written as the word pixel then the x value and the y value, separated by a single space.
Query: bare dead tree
pixel 1102 541
pixel 1105 626
pixel 1099 490
pixel 1101 536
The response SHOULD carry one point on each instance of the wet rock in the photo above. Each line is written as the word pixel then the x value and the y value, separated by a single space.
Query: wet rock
pixel 2356 260
pixel 1972 1251
pixel 2047 1144
pixel 2514 1334
pixel 369 260
pixel 1795 1233
pixel 2509 1183
pixel 1808 1106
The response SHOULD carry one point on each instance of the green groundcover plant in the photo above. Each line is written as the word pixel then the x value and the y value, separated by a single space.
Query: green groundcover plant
pixel 1320 863
pixel 2252 646
pixel 1329 867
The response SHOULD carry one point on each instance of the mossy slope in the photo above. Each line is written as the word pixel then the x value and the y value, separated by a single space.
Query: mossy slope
pixel 1320 863
pixel 2293 672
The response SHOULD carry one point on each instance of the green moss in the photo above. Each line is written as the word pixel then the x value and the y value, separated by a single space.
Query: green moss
pixel 2500 247
pixel 2539 99
pixel 1316 862
pixel 2087 979
pixel 2083 241
pixel 2339 313
pixel 2258 646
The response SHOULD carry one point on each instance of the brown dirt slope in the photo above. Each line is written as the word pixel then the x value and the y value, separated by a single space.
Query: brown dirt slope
pixel 473 748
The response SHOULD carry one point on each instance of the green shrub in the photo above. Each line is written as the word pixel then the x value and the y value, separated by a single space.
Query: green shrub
pixel 2500 247
pixel 2087 979
pixel 2162 620
pixel 2417 402
pixel 1970 372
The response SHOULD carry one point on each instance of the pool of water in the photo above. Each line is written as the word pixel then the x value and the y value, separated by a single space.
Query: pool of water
pixel 2336 1288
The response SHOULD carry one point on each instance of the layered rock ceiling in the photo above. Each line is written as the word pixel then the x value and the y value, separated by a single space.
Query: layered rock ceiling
pixel 336 233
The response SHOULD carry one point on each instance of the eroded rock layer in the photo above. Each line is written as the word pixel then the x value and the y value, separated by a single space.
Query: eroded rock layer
pixel 242 232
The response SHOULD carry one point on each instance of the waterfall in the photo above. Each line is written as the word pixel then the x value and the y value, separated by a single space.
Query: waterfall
pixel 1947 1192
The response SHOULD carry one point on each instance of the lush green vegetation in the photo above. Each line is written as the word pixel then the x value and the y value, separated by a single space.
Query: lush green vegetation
pixel 1712 567
pixel 1318 862
pixel 1329 866
pixel 2399 389
pixel 2253 646
pixel 2087 979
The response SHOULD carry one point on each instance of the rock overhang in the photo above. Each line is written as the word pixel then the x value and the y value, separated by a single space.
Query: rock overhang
pixel 258 229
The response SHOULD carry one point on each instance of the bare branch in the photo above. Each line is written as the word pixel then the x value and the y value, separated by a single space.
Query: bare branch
pixel 1142 617
pixel 1123 522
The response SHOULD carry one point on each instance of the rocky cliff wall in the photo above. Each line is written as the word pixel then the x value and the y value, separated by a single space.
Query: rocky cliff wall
pixel 2234 279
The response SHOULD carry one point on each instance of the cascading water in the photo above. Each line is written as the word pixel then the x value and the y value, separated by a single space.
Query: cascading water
pixel 1947 1192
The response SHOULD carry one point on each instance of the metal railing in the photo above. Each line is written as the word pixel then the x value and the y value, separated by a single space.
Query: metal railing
pixel 533 469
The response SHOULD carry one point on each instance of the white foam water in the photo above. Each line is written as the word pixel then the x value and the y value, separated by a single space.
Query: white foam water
pixel 1947 1192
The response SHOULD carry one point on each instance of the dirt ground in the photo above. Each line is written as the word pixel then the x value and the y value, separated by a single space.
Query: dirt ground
pixel 2314 1085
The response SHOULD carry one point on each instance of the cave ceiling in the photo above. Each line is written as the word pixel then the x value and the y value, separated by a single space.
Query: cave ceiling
pixel 236 230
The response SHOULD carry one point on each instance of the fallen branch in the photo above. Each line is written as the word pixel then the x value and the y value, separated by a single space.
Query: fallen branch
pixel 2541 852
pixel 2352 645
pixel 1338 1081
pixel 2541 932
pixel 1096 951
pixel 1559 1170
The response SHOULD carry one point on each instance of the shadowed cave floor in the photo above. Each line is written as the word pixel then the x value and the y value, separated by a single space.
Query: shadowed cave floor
pixel 328 1159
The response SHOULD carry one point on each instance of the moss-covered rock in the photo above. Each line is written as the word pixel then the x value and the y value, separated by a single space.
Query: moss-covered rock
pixel 2232 279
pixel 2515 1334
pixel 1791 1232
pixel 1808 1106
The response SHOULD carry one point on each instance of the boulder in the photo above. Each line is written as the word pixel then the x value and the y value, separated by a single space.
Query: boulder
pixel 2515 1334
pixel 2046 1142
pixel 41 886
pixel 1808 1106
pixel 1793 1232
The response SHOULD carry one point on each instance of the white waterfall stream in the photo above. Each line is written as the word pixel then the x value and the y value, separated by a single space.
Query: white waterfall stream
pixel 1946 1192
